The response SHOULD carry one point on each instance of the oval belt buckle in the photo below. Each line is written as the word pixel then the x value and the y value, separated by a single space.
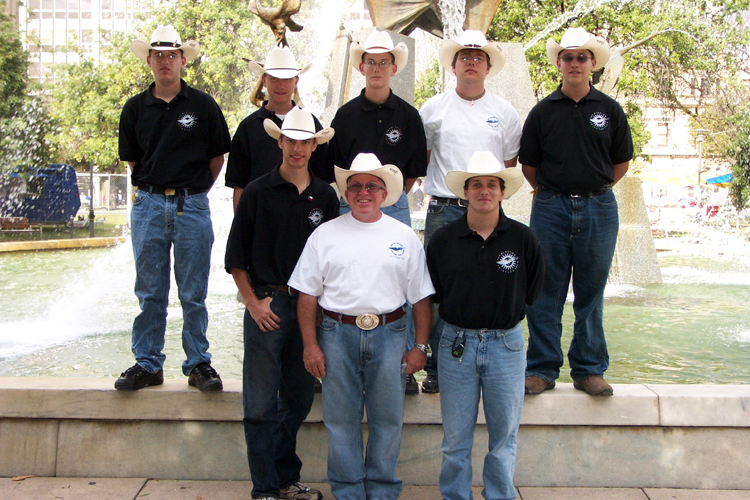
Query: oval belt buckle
pixel 367 321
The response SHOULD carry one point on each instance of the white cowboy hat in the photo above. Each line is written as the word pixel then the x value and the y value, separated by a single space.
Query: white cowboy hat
pixel 484 163
pixel 298 125
pixel 280 63
pixel 472 39
pixel 165 37
pixel 368 163
pixel 379 42
pixel 579 39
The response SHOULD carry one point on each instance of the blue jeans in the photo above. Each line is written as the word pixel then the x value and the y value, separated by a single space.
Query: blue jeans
pixel 399 210
pixel 578 236
pixel 277 394
pixel 155 229
pixel 363 370
pixel 492 366
pixel 438 215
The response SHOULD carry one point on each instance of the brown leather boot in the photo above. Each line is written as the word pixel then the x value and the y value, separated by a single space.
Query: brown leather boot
pixel 537 385
pixel 594 385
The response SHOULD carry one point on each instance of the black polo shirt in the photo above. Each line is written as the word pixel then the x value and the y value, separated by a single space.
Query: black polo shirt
pixel 574 145
pixel 173 143
pixel 485 284
pixel 393 131
pixel 255 153
pixel 272 223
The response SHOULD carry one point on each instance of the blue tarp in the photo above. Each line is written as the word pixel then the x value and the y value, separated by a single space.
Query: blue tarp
pixel 50 195
pixel 722 179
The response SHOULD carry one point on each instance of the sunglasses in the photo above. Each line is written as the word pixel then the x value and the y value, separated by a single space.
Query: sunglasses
pixel 355 187
pixel 568 58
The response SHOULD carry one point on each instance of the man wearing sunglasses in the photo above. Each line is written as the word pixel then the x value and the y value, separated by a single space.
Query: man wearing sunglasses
pixel 361 269
pixel 457 124
pixel 576 145
pixel 174 138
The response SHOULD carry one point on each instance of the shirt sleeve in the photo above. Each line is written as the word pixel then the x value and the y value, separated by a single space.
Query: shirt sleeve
pixel 417 164
pixel 530 152
pixel 307 276
pixel 513 136
pixel 239 243
pixel 220 140
pixel 431 125
pixel 622 142
pixel 239 156
pixel 129 149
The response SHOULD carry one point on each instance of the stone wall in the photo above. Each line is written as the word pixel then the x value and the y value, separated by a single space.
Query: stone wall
pixel 666 436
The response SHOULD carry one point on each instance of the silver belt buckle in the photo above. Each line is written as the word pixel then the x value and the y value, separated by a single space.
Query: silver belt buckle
pixel 367 321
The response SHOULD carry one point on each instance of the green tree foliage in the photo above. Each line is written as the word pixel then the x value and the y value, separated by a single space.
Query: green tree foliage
pixel 678 69
pixel 739 151
pixel 23 119
pixel 88 96
pixel 427 85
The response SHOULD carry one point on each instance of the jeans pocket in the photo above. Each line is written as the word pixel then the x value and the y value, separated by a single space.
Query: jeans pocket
pixel 402 203
pixel 436 208
pixel 544 195
pixel 607 199
pixel 513 340
pixel 446 339
pixel 328 324
pixel 139 197
pixel 197 201
pixel 397 326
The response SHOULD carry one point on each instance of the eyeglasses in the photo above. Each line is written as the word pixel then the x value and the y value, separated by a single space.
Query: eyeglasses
pixel 383 64
pixel 476 59
pixel 159 56
pixel 369 187
pixel 568 58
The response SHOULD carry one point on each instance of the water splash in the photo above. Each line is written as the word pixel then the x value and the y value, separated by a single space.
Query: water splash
pixel 453 13
pixel 582 7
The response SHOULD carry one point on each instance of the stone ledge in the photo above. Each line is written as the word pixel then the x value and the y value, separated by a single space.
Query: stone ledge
pixel 632 405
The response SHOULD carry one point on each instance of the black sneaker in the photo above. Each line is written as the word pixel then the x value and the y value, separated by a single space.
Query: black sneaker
pixel 412 387
pixel 205 378
pixel 136 377
pixel 430 384
pixel 299 491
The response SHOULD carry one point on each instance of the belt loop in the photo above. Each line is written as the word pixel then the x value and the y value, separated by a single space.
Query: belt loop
pixel 180 201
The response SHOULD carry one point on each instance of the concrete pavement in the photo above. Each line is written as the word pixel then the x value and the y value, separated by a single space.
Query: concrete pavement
pixel 61 488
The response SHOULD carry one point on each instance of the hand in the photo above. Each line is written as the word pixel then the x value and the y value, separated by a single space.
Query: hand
pixel 261 312
pixel 415 360
pixel 314 361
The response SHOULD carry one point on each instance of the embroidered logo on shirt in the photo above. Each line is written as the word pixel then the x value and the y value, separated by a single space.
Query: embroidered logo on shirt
pixel 393 135
pixel 493 121
pixel 507 262
pixel 599 120
pixel 315 217
pixel 187 121
pixel 396 249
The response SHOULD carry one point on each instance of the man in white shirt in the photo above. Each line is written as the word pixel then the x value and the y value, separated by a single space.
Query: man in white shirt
pixel 457 124
pixel 361 269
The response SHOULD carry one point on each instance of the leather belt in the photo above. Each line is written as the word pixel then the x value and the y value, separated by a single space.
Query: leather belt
pixel 180 192
pixel 456 202
pixel 367 321
pixel 580 195
pixel 280 289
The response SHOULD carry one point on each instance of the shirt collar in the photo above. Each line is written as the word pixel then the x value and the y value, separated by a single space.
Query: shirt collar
pixel 264 112
pixel 593 95
pixel 465 231
pixel 368 105
pixel 151 100
pixel 316 185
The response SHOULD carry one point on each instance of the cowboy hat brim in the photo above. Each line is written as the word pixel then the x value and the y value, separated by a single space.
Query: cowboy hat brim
pixel 400 55
pixel 597 45
pixel 274 131
pixel 283 73
pixel 389 174
pixel 190 49
pixel 449 48
pixel 512 177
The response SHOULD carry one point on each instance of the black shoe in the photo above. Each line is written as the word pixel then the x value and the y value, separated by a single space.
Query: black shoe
pixel 430 385
pixel 136 377
pixel 205 378
pixel 318 387
pixel 412 387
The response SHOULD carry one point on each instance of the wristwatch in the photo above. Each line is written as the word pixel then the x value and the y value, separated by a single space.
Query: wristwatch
pixel 425 348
